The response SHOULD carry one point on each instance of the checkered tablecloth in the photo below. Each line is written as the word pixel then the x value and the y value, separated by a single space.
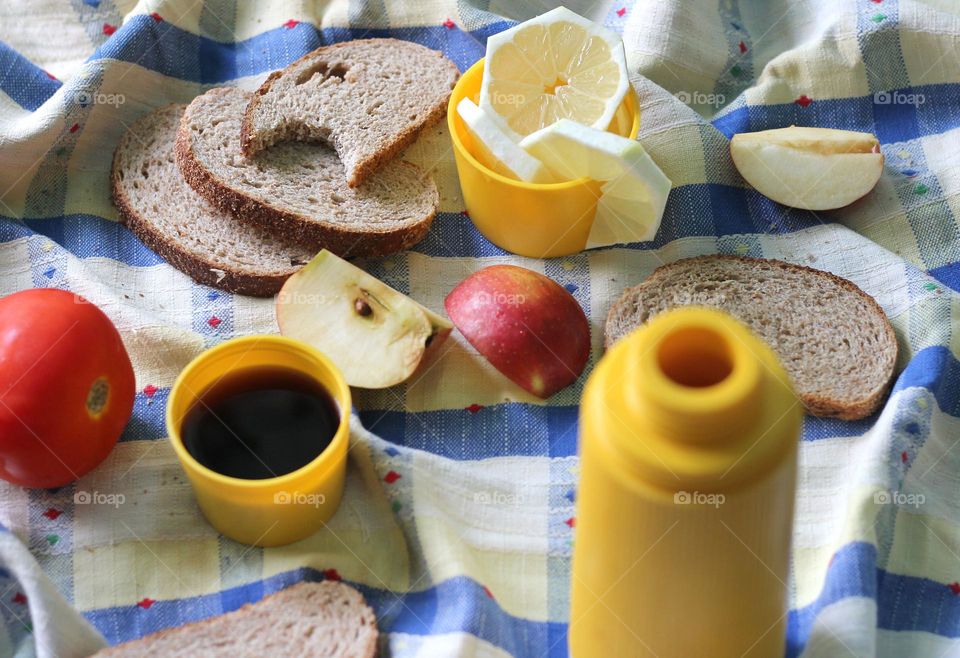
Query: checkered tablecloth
pixel 458 519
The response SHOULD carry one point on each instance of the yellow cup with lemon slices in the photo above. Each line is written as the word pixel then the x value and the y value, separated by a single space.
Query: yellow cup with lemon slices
pixel 538 220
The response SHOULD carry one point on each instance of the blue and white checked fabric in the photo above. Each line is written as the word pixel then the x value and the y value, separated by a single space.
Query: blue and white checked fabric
pixel 457 520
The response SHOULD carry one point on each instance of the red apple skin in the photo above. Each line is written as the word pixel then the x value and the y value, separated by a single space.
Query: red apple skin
pixel 525 324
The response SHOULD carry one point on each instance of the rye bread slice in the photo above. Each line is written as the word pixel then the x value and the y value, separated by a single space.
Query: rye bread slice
pixel 367 98
pixel 163 211
pixel 832 338
pixel 326 619
pixel 299 190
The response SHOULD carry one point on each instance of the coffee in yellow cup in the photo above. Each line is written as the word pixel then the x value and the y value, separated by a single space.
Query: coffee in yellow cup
pixel 260 425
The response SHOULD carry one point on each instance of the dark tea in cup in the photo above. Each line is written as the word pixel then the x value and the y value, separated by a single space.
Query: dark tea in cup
pixel 262 422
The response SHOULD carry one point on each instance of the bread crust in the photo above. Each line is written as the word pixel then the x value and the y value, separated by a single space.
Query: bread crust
pixel 143 644
pixel 817 405
pixel 339 240
pixel 366 168
pixel 199 269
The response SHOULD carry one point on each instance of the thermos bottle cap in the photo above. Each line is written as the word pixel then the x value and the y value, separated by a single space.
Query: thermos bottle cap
pixel 699 383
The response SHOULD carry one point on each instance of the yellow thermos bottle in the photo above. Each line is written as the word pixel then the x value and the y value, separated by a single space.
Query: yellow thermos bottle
pixel 689 430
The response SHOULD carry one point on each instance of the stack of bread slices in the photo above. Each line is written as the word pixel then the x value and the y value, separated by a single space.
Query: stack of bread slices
pixel 240 190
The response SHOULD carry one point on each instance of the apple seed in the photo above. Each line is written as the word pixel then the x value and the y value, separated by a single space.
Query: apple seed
pixel 362 307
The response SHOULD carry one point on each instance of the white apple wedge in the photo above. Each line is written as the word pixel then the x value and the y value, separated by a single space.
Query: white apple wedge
pixel 634 192
pixel 374 334
pixel 497 151
pixel 809 168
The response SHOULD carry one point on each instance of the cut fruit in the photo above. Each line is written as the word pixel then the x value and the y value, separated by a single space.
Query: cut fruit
pixel 495 150
pixel 809 168
pixel 555 66
pixel 635 190
pixel 376 335
pixel 826 141
pixel 525 324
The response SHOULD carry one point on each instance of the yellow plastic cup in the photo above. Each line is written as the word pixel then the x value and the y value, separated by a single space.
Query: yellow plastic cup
pixel 274 511
pixel 538 220
pixel 689 433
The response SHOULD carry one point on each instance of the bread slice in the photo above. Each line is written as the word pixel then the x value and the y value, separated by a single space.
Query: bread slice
pixel 209 245
pixel 326 619
pixel 299 190
pixel 368 99
pixel 831 337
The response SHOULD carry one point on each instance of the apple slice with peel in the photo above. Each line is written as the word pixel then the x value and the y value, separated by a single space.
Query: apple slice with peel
pixel 525 324
pixel 809 168
pixel 374 334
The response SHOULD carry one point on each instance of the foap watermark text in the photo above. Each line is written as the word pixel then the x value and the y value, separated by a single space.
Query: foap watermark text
pixel 84 97
pixel 98 498
pixel 700 98
pixel 299 498
pixel 899 498
pixel 494 497
pixel 898 98
pixel 699 498
pixel 502 298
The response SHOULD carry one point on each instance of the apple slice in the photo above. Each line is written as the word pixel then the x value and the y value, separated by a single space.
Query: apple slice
pixel 526 325
pixel 376 335
pixel 634 192
pixel 495 150
pixel 809 168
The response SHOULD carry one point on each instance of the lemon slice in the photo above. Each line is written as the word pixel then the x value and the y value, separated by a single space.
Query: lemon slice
pixel 634 192
pixel 496 150
pixel 556 66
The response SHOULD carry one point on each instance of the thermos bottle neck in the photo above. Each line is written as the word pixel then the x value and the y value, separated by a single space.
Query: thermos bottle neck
pixel 693 400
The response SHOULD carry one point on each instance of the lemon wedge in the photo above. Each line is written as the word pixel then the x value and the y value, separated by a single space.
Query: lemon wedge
pixel 634 192
pixel 556 66
pixel 496 150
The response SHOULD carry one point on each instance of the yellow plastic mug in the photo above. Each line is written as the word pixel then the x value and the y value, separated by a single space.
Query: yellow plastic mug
pixel 538 220
pixel 273 511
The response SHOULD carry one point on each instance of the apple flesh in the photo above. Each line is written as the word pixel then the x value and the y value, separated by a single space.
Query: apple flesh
pixel 526 325
pixel 809 168
pixel 374 334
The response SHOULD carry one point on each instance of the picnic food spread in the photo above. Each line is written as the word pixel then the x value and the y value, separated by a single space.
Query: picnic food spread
pixel 275 189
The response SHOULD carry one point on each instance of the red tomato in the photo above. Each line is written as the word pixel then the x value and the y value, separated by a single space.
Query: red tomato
pixel 66 387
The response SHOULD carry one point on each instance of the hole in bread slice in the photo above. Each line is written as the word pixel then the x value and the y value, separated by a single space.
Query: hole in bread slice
pixel 324 69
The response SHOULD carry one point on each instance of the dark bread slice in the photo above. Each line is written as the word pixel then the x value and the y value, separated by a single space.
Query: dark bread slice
pixel 367 98
pixel 207 244
pixel 327 619
pixel 300 190
pixel 832 338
